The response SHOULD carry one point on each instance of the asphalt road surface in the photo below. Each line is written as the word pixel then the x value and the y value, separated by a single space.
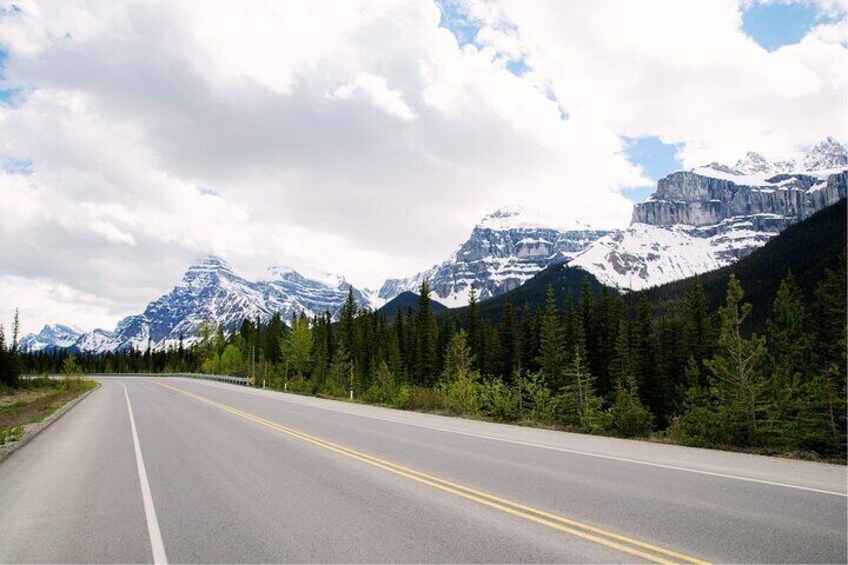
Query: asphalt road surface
pixel 167 469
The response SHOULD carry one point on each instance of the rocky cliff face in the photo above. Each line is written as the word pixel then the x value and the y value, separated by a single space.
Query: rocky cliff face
pixel 693 198
pixel 504 250
pixel 711 216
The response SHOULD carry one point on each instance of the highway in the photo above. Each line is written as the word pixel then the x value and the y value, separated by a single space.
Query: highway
pixel 188 471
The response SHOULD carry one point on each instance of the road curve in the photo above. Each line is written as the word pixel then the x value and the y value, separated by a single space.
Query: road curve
pixel 167 469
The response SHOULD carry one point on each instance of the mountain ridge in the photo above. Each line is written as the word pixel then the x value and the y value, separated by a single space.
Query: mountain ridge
pixel 210 291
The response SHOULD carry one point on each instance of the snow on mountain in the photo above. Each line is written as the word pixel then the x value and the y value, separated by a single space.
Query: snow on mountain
pixel 645 255
pixel 504 250
pixel 211 292
pixel 711 216
pixel 97 341
pixel 51 336
pixel 826 155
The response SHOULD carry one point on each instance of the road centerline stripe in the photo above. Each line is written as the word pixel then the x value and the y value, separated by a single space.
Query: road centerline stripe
pixel 522 443
pixel 156 545
pixel 594 534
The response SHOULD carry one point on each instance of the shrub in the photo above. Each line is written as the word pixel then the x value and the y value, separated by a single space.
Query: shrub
pixel 629 416
pixel 499 401
pixel 462 395
pixel 425 399
pixel 540 405
pixel 402 397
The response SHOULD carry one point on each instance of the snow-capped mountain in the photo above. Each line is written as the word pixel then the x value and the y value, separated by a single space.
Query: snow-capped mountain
pixel 51 336
pixel 709 217
pixel 504 250
pixel 211 292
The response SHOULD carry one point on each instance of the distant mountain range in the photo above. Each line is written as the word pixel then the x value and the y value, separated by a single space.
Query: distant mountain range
pixel 209 292
pixel 504 250
pixel 806 248
pixel 696 221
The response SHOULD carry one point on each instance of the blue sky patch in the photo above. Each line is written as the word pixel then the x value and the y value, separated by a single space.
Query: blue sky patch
pixel 775 25
pixel 517 67
pixel 18 166
pixel 207 191
pixel 458 22
pixel 658 159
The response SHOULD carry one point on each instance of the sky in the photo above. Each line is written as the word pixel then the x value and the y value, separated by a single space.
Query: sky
pixel 366 138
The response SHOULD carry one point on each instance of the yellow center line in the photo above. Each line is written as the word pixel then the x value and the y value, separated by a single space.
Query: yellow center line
pixel 603 537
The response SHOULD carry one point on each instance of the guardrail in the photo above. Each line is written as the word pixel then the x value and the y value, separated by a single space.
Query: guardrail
pixel 225 378
pixel 206 376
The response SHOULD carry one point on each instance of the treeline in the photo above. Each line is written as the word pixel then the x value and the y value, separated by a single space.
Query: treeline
pixel 602 363
pixel 10 359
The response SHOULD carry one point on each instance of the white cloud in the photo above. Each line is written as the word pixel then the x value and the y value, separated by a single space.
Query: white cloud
pixel 357 137
pixel 378 93
pixel 682 71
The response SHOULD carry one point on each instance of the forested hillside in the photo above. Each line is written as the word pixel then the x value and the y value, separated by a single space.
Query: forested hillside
pixel 807 249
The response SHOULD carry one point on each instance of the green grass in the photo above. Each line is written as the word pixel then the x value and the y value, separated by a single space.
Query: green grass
pixel 34 400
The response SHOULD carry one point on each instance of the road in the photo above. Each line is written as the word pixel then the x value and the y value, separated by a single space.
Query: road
pixel 187 471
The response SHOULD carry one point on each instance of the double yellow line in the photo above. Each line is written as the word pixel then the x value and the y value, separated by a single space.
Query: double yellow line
pixel 628 545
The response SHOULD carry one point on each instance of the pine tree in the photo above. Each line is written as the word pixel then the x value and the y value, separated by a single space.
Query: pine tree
pixel 459 359
pixel 529 333
pixel 829 382
pixel 629 415
pixel 581 405
pixel 474 324
pixel 509 341
pixel 427 336
pixel 346 322
pixel 384 383
pixel 338 373
pixel 736 379
pixel 621 363
pixel 459 380
pixel 551 356
pixel 569 326
pixel 699 331
pixel 16 328
pixel 653 389
pixel 296 347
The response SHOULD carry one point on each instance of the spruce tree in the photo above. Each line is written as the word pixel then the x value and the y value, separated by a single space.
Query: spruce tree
pixel 551 356
pixel 699 331
pixel 736 378
pixel 580 404
pixel 653 390
pixel 474 337
pixel 346 322
pixel 509 340
pixel 629 415
pixel 427 336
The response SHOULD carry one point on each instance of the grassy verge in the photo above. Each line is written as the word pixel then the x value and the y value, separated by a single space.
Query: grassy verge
pixel 34 400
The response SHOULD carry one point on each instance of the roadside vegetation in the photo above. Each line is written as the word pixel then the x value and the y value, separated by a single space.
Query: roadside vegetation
pixel 600 363
pixel 27 400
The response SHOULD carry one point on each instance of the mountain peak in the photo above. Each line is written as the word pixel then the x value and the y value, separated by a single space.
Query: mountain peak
pixel 754 163
pixel 826 154
pixel 516 217
pixel 284 273
pixel 210 262
pixel 206 271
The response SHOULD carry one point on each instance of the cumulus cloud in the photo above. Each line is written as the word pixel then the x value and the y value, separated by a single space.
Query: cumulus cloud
pixel 682 71
pixel 356 137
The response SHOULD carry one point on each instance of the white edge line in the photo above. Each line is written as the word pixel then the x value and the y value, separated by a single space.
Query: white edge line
pixel 565 449
pixel 156 544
